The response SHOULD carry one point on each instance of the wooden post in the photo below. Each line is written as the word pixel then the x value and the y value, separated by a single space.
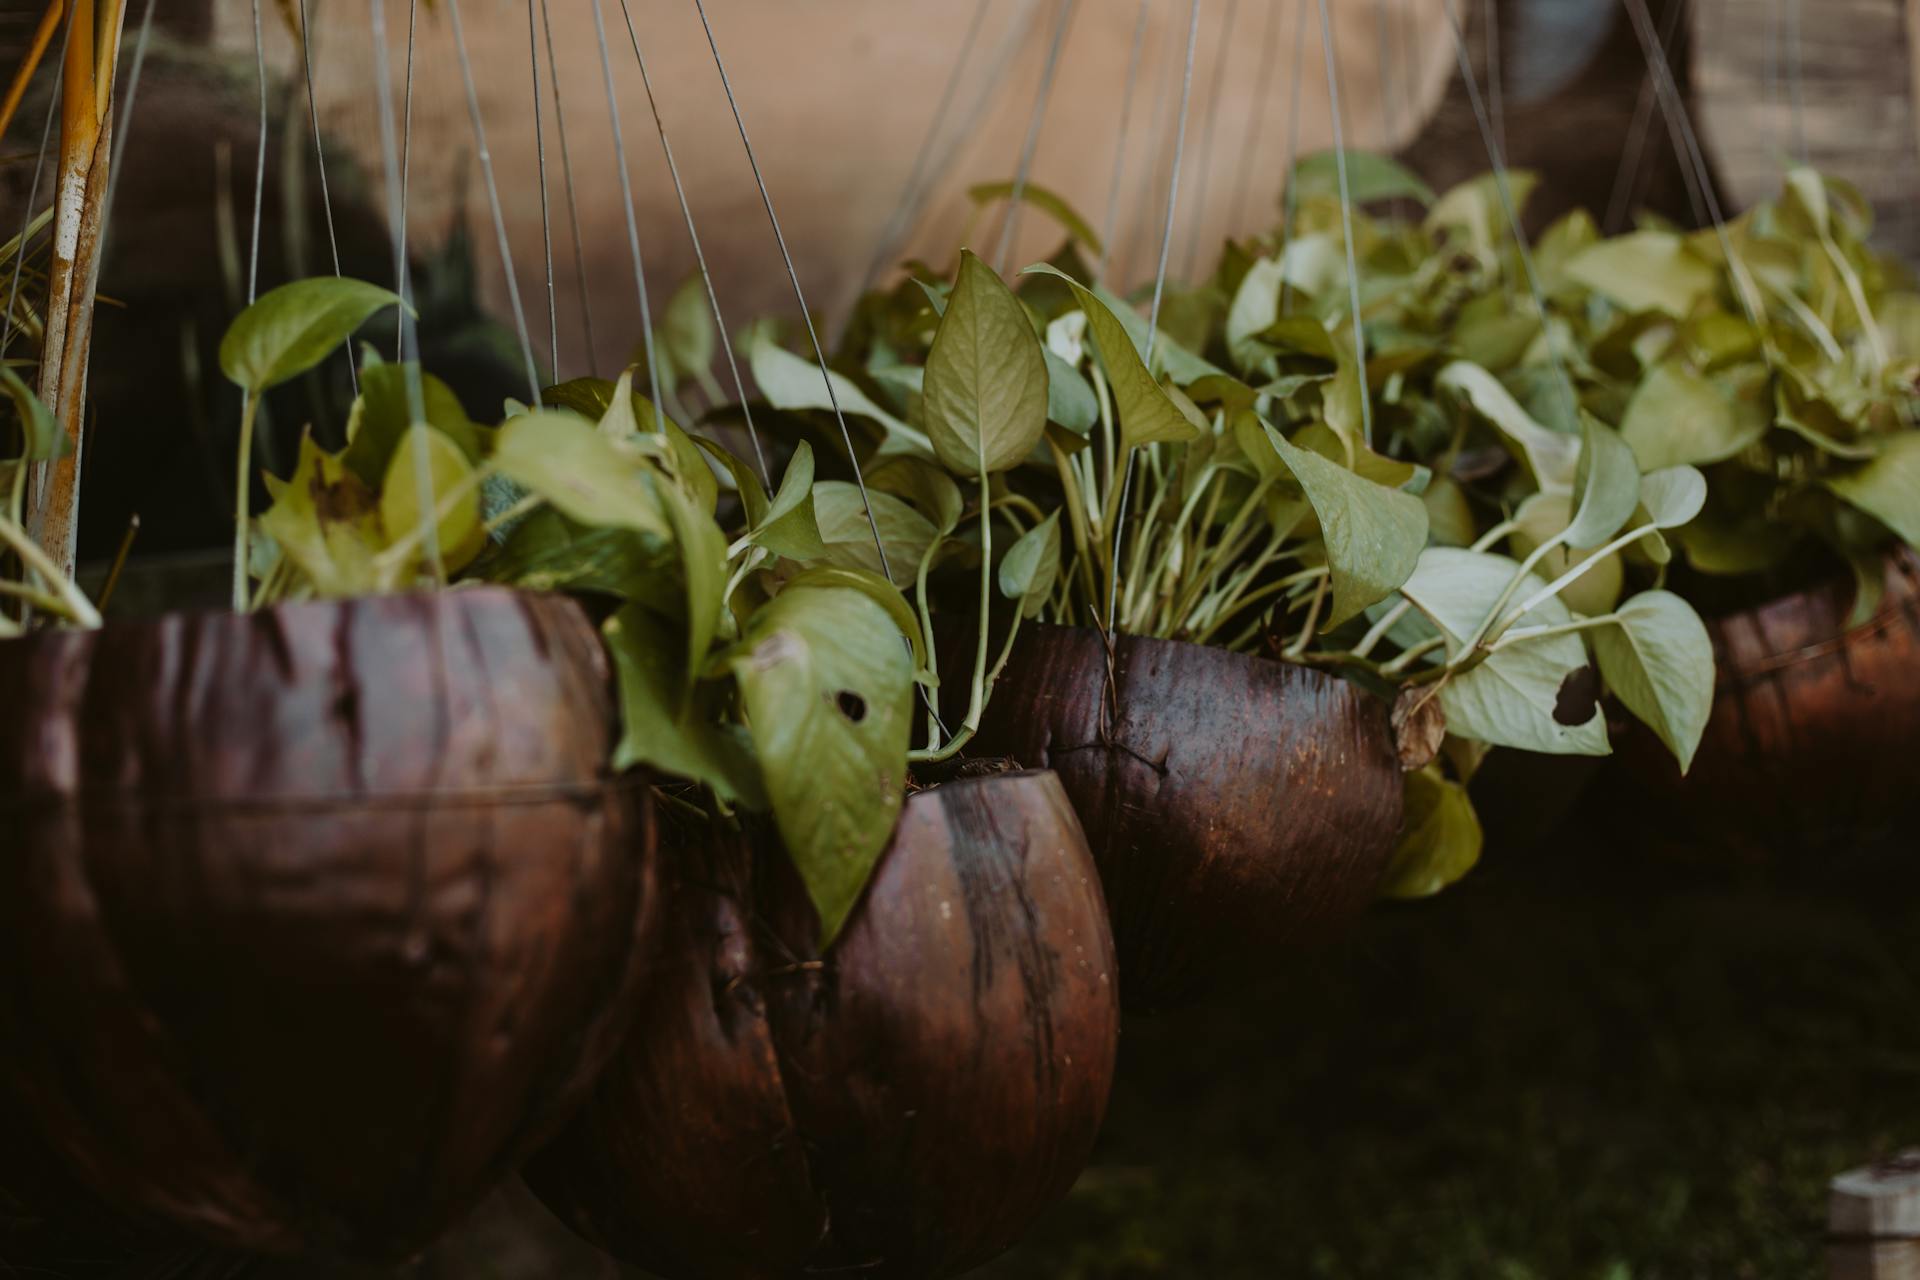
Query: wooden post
pixel 1873 1220
pixel 86 145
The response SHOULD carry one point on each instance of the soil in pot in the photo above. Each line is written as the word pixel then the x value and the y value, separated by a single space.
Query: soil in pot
pixel 1234 804
pixel 903 1106
pixel 314 921
pixel 1808 757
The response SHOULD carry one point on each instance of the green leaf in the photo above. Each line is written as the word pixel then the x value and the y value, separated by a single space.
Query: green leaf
pixel 789 526
pixel 931 490
pixel 45 441
pixel 1888 488
pixel 566 461
pixel 1552 456
pixel 1440 837
pixel 788 382
pixel 1672 496
pixel 1546 515
pixel 1508 700
pixel 904 532
pixel 828 691
pixel 383 413
pixel 327 523
pixel 986 386
pixel 703 570
pixel 1070 400
pixel 293 328
pixel 549 552
pixel 1370 177
pixel 1676 416
pixel 1255 304
pixel 687 335
pixel 1047 202
pixel 876 589
pixel 1658 659
pixel 1645 271
pixel 1146 414
pixel 664 729
pixel 1373 534
pixel 1031 566
pixel 1606 485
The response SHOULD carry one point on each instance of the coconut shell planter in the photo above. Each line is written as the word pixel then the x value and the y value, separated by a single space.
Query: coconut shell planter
pixel 904 1106
pixel 314 921
pixel 1809 752
pixel 1235 802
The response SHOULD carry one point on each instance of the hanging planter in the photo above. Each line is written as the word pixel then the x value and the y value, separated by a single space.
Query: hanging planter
pixel 903 1105
pixel 1814 727
pixel 314 921
pixel 1235 804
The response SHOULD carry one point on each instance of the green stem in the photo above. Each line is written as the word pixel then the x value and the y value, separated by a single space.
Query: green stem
pixel 74 606
pixel 398 554
pixel 977 696
pixel 1520 635
pixel 242 516
pixel 1526 566
pixel 1378 631
pixel 1300 643
pixel 1412 655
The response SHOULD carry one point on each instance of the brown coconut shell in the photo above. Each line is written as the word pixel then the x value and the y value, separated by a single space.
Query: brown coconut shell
pixel 1810 753
pixel 314 921
pixel 1236 805
pixel 904 1106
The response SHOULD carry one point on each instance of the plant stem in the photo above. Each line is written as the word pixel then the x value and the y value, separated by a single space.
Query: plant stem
pixel 1300 643
pixel 76 607
pixel 242 501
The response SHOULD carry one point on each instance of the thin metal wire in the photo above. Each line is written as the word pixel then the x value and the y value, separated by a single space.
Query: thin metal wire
pixel 546 209
pixel 33 192
pixel 1210 118
pixel 633 225
pixel 963 131
pixel 896 221
pixel 699 255
pixel 1346 218
pixel 320 161
pixel 1120 139
pixel 1496 75
pixel 260 157
pixel 404 279
pixel 1016 200
pixel 1383 38
pixel 573 207
pixel 409 333
pixel 793 278
pixel 132 91
pixel 1796 81
pixel 1153 312
pixel 1257 121
pixel 1290 200
pixel 1508 208
pixel 493 202
pixel 1626 178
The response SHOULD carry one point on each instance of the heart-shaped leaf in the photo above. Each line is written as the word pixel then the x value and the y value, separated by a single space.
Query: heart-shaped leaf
pixel 565 460
pixel 664 729
pixel 1552 456
pixel 1147 416
pixel 1440 837
pixel 986 384
pixel 1031 566
pixel 1676 416
pixel 1658 659
pixel 1606 485
pixel 291 329
pixel 828 690
pixel 1888 488
pixel 844 528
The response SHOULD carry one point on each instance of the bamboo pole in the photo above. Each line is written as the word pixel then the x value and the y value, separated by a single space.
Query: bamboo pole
pixel 86 144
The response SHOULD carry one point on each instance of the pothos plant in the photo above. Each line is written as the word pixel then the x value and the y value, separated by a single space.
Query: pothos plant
pixel 757 661
pixel 39 592
pixel 1258 517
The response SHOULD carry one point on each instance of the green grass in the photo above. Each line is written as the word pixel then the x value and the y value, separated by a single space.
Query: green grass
pixel 1568 1071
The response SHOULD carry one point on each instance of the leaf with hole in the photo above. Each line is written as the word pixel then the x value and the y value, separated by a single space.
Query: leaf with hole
pixel 828 691
pixel 1658 659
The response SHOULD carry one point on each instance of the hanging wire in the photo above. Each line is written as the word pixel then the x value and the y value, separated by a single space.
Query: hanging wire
pixel 1290 196
pixel 33 192
pixel 1496 74
pixel 566 175
pixel 699 255
pixel 1626 178
pixel 1256 123
pixel 1153 313
pixel 132 91
pixel 1016 200
pixel 1383 37
pixel 546 207
pixel 391 156
pixel 1796 81
pixel 260 158
pixel 896 221
pixel 914 200
pixel 1510 210
pixel 1346 218
pixel 793 278
pixel 1209 119
pixel 1140 224
pixel 404 279
pixel 493 203
pixel 633 225
pixel 319 159
pixel 1120 139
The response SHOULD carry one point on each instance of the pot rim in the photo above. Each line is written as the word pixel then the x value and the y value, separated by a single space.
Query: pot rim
pixel 460 592
pixel 1899 559
pixel 1318 675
